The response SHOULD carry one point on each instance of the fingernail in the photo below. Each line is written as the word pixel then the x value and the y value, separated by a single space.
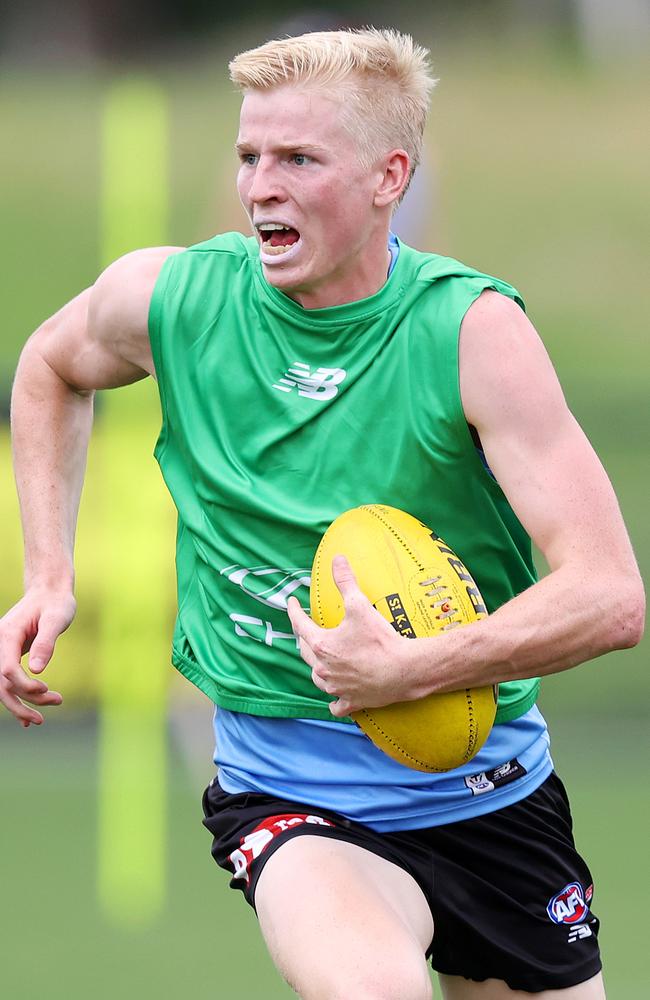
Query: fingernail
pixel 37 663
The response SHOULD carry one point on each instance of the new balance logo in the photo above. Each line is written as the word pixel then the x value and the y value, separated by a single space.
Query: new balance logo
pixel 579 932
pixel 321 384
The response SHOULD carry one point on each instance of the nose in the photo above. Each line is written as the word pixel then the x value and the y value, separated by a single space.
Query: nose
pixel 266 185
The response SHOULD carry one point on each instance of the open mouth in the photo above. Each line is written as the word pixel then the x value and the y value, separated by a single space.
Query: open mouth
pixel 277 239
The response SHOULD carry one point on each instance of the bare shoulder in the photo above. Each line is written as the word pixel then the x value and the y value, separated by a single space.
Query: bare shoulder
pixel 535 448
pixel 100 339
pixel 505 370
pixel 119 301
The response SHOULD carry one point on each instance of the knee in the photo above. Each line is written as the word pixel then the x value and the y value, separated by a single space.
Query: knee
pixel 382 983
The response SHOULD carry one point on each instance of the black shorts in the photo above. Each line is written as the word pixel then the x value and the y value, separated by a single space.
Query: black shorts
pixel 509 894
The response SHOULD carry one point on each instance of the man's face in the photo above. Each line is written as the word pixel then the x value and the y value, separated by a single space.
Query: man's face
pixel 309 199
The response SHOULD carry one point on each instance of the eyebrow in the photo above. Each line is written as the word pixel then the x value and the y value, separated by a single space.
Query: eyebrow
pixel 245 147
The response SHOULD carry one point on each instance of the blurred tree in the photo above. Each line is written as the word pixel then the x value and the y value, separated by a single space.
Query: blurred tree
pixel 609 30
pixel 56 30
pixel 50 31
pixel 47 31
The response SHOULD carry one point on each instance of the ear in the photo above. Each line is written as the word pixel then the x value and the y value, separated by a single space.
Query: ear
pixel 396 166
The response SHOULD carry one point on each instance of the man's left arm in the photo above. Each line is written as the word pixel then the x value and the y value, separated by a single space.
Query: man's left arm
pixel 591 601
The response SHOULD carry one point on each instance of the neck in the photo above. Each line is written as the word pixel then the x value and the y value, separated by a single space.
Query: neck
pixel 358 277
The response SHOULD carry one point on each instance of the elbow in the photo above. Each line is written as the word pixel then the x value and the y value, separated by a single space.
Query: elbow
pixel 630 621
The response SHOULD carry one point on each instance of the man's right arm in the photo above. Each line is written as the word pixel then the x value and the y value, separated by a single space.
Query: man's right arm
pixel 99 340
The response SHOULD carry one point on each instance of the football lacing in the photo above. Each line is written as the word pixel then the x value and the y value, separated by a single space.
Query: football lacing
pixel 436 590
pixel 441 602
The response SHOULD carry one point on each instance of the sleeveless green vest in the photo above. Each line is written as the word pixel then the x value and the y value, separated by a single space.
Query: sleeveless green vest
pixel 276 419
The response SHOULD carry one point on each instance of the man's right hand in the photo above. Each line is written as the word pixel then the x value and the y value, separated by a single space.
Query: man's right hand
pixel 33 625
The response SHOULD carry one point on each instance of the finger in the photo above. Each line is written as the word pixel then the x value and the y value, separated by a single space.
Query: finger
pixel 22 713
pixel 11 653
pixel 308 654
pixel 318 680
pixel 27 645
pixel 340 708
pixel 345 579
pixel 23 686
pixel 50 628
pixel 18 683
pixel 46 697
pixel 301 623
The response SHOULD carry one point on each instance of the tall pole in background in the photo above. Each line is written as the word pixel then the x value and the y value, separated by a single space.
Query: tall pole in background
pixel 134 559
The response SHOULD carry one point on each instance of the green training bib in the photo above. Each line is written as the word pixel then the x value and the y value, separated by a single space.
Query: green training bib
pixel 276 419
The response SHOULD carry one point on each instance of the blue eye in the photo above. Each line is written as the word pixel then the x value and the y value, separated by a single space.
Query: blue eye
pixel 300 159
pixel 249 159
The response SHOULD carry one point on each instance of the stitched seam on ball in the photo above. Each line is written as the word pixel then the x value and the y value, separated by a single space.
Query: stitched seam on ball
pixel 317 561
pixel 388 525
pixel 473 730
pixel 392 742
pixel 389 739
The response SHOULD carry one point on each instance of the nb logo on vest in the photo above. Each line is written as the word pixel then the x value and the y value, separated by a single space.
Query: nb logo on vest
pixel 322 384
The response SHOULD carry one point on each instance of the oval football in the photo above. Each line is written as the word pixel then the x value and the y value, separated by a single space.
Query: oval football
pixel 422 588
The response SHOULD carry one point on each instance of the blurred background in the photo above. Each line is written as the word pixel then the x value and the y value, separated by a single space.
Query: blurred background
pixel 536 170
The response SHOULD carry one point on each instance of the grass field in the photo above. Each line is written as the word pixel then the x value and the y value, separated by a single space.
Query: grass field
pixel 541 177
pixel 205 940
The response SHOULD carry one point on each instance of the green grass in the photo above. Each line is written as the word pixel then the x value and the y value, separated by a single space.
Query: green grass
pixel 61 945
pixel 541 169
pixel 603 763
pixel 205 940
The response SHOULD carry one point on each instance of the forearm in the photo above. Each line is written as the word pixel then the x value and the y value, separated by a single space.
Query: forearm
pixel 97 340
pixel 567 618
pixel 51 424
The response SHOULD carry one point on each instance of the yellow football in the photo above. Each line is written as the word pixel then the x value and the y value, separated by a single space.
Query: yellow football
pixel 422 588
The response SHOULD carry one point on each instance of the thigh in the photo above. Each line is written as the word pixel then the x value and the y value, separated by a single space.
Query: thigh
pixel 456 988
pixel 342 923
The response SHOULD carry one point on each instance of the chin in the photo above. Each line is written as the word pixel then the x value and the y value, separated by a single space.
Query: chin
pixel 286 279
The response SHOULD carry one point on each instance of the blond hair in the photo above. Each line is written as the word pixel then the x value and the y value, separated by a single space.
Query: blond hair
pixel 381 76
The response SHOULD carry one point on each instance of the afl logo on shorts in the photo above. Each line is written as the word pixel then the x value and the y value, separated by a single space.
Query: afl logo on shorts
pixel 569 906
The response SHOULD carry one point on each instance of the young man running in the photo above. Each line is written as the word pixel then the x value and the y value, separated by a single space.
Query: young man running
pixel 314 367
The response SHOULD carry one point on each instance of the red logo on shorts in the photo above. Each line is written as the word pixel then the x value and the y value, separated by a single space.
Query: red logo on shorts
pixel 569 906
pixel 255 842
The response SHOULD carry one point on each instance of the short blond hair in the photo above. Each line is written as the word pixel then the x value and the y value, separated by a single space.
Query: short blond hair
pixel 385 76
